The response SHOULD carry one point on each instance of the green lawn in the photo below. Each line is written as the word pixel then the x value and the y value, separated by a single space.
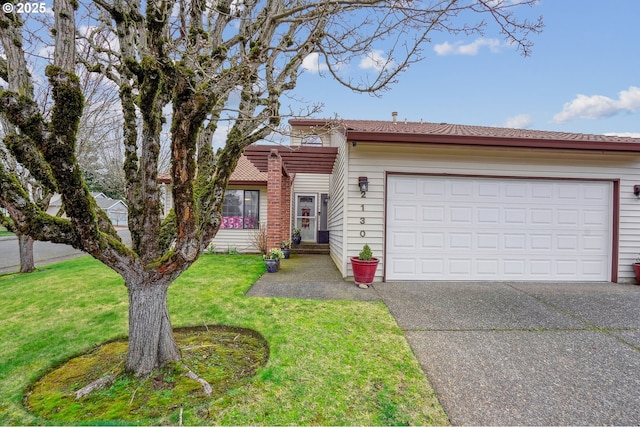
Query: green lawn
pixel 331 362
pixel 4 232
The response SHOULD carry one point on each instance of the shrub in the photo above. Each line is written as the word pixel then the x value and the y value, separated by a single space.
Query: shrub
pixel 365 254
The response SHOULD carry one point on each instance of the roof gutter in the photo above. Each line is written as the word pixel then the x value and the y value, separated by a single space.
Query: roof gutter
pixel 484 141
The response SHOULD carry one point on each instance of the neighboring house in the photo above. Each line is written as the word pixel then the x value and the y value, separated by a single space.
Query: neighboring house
pixel 446 202
pixel 116 210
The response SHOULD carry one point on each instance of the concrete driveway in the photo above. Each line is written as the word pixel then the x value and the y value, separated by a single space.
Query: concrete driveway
pixel 525 353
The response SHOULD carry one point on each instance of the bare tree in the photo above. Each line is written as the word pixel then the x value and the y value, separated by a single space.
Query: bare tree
pixel 179 62
pixel 99 147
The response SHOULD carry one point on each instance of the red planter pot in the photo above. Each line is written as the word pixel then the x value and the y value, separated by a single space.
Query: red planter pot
pixel 364 271
pixel 636 269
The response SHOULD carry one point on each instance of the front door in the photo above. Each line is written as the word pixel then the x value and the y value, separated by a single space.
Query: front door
pixel 306 216
pixel 323 217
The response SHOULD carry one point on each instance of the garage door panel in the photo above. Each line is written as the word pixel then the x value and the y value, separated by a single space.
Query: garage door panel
pixel 488 215
pixel 594 218
pixel 487 241
pixel 403 240
pixel 433 190
pixel 596 193
pixel 404 266
pixel 487 267
pixel 405 188
pixel 517 216
pixel 541 216
pixel 593 244
pixel 433 215
pixel 461 241
pixel 404 213
pixel 542 192
pixel 432 240
pixel 498 229
pixel 541 241
pixel 432 266
pixel 593 268
pixel 461 215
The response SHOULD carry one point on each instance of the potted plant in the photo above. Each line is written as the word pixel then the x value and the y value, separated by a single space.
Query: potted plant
pixel 636 269
pixel 364 267
pixel 286 248
pixel 272 259
pixel 296 237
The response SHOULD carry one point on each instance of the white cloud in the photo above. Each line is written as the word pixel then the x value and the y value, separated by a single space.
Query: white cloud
pixel 312 63
pixel 470 49
pixel 625 134
pixel 598 106
pixel 521 121
pixel 375 60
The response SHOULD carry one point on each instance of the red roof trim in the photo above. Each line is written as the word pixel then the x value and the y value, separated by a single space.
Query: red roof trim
pixel 491 141
pixel 245 183
pixel 294 159
pixel 380 131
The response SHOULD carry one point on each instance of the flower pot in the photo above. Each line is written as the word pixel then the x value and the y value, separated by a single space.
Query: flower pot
pixel 296 239
pixel 272 265
pixel 364 271
pixel 287 253
pixel 636 269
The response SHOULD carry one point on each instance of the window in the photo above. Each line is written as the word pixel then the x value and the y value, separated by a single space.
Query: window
pixel 312 140
pixel 241 209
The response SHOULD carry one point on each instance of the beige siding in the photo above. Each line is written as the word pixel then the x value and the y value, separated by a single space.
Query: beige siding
pixel 337 209
pixel 375 161
pixel 241 240
pixel 311 183
pixel 166 198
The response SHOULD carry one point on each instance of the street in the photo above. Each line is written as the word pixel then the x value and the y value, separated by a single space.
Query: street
pixel 43 252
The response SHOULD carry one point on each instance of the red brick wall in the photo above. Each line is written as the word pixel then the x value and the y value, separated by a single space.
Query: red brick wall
pixel 278 202
pixel 285 208
pixel 274 200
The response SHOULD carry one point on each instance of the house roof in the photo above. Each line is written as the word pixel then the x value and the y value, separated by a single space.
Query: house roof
pixel 382 131
pixel 245 172
pixel 295 159
pixel 108 204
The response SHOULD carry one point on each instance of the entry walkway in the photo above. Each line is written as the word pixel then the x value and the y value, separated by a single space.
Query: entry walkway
pixel 309 277
pixel 504 353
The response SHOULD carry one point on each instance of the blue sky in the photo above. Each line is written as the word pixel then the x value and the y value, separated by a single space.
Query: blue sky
pixel 583 76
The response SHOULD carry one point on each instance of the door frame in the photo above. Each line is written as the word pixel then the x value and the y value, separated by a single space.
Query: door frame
pixel 314 215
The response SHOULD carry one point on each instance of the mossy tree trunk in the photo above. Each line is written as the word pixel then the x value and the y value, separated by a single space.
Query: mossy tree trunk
pixel 25 246
pixel 151 341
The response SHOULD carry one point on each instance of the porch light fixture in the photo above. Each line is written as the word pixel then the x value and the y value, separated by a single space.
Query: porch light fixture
pixel 363 183
pixel 636 190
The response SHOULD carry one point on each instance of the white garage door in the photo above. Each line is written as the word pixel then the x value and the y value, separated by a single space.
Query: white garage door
pixel 463 228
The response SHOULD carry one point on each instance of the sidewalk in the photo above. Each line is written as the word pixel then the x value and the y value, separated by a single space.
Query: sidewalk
pixel 309 277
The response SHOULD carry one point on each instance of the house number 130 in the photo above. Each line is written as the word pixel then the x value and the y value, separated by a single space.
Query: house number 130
pixel 362 221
